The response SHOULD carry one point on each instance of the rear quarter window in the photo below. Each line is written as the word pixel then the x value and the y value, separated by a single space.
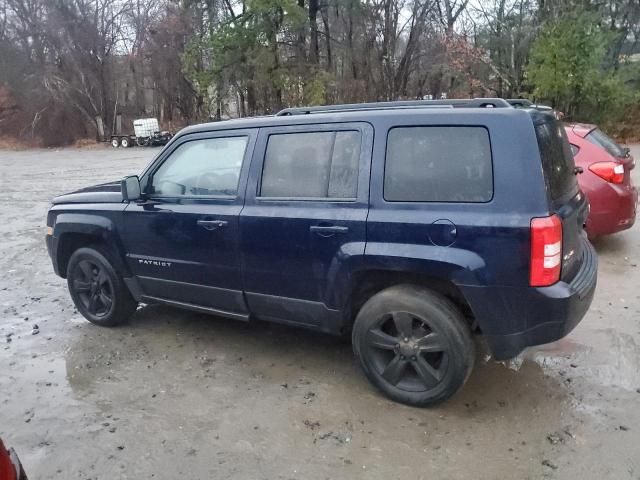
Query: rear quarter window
pixel 557 159
pixel 438 164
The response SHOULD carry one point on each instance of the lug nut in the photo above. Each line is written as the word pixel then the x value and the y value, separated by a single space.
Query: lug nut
pixel 406 339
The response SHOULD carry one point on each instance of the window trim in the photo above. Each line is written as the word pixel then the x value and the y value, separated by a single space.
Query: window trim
pixel 326 128
pixel 246 158
pixel 443 202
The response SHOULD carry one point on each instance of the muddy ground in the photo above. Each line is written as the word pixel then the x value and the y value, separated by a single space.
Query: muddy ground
pixel 178 395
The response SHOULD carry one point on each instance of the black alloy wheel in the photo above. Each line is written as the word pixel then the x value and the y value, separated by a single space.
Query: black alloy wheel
pixel 414 344
pixel 97 289
pixel 94 288
pixel 407 352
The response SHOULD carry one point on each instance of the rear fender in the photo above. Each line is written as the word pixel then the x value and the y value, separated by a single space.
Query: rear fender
pixel 460 267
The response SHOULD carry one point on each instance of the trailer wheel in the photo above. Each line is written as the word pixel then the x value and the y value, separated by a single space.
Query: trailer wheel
pixel 115 143
pixel 124 141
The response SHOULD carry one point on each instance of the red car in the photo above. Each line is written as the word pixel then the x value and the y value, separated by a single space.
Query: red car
pixel 10 467
pixel 606 179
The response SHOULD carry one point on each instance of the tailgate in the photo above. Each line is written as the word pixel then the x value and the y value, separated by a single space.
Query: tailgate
pixel 574 215
pixel 566 200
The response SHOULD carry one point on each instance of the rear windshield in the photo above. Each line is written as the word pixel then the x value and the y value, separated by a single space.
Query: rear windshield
pixel 557 159
pixel 599 138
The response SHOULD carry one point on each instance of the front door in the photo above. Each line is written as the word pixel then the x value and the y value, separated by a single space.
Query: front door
pixel 304 220
pixel 182 240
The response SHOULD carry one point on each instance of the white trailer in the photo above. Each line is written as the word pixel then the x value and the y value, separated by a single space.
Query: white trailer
pixel 146 132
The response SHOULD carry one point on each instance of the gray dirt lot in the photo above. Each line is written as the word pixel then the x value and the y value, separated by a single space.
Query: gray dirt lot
pixel 178 395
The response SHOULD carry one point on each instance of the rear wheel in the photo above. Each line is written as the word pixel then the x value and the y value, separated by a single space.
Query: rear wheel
pixel 124 141
pixel 414 345
pixel 115 143
pixel 98 292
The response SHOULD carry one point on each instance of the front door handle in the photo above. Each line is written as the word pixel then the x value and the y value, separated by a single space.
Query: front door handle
pixel 212 224
pixel 328 230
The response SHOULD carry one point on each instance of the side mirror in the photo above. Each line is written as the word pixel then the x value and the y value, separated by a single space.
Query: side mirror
pixel 627 151
pixel 130 187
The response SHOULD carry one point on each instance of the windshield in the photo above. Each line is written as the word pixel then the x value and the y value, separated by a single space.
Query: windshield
pixel 598 137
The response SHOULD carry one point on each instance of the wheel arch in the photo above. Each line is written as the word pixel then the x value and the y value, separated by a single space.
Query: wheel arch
pixel 368 282
pixel 74 231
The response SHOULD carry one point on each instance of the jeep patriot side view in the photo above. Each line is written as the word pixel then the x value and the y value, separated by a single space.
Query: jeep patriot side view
pixel 410 225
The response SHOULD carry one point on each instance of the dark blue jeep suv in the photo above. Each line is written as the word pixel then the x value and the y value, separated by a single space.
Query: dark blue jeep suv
pixel 410 225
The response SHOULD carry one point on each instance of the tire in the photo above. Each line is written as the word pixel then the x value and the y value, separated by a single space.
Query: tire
pixel 124 142
pixel 97 291
pixel 414 345
pixel 115 143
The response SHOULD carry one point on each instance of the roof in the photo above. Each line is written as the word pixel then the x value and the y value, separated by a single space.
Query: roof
pixel 582 129
pixel 369 115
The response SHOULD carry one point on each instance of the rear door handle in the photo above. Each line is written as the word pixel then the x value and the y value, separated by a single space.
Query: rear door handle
pixel 212 224
pixel 326 230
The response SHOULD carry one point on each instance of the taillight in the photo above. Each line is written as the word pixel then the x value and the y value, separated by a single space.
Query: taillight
pixel 612 172
pixel 546 251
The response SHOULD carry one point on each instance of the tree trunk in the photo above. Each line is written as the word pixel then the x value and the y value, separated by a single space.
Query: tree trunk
pixel 302 41
pixel 314 51
pixel 327 32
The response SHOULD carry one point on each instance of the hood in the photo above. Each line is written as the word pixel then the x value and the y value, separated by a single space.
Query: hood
pixel 103 193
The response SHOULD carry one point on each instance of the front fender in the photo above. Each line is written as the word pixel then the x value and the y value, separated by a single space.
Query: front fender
pixel 87 224
pixel 70 227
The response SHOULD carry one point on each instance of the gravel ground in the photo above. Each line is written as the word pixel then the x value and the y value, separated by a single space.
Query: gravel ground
pixel 181 395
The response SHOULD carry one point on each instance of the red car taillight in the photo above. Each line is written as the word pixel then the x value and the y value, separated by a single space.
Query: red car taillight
pixel 612 172
pixel 546 251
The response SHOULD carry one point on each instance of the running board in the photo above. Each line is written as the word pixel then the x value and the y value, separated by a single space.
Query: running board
pixel 243 317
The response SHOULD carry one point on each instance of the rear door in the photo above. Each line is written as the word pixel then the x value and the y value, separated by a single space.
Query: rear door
pixel 304 220
pixel 567 200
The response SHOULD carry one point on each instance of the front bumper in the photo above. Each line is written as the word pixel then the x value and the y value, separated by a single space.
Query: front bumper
pixel 52 249
pixel 513 318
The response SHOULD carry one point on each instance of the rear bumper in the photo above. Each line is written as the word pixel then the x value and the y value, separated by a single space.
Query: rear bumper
pixel 513 318
pixel 613 209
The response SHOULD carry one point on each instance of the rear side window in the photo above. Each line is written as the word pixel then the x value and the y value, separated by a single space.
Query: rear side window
pixel 557 158
pixel 438 164
pixel 311 165
pixel 601 139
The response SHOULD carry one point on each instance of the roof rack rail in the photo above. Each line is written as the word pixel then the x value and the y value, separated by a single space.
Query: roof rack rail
pixel 354 107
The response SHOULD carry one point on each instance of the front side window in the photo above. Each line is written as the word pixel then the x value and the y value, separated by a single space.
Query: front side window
pixel 438 164
pixel 206 167
pixel 311 165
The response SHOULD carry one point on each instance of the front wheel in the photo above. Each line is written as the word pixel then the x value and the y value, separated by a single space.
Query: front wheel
pixel 98 292
pixel 414 345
